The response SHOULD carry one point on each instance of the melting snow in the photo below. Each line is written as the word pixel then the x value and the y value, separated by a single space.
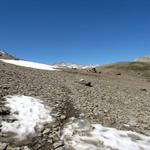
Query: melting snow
pixel 30 113
pixel 81 135
pixel 29 64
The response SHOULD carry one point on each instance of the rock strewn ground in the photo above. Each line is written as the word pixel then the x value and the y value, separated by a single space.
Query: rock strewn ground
pixel 115 101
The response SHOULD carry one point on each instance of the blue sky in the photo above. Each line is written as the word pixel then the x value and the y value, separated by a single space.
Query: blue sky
pixel 78 31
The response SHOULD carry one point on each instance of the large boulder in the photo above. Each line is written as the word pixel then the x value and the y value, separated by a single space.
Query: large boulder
pixel 84 82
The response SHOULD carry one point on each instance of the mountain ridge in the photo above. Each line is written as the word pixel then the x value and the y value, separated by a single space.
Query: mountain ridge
pixel 145 58
pixel 5 55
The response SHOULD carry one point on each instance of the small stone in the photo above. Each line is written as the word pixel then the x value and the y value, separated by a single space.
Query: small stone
pixel 84 82
pixel 13 148
pixel 26 148
pixel 132 120
pixel 118 74
pixel 10 119
pixel 60 148
pixel 56 115
pixel 4 111
pixel 108 121
pixel 105 110
pixel 50 141
pixel 6 87
pixel 62 117
pixel 46 131
pixel 58 144
pixel 145 90
pixel 88 84
pixel 94 70
pixel 82 115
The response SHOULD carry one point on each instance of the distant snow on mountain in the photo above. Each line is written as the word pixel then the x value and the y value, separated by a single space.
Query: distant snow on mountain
pixel 74 66
pixel 7 58
pixel 145 58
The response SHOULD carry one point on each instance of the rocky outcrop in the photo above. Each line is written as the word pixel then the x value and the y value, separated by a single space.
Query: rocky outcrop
pixel 84 82
pixel 5 55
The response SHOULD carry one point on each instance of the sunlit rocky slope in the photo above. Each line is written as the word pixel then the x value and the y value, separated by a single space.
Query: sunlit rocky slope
pixel 101 108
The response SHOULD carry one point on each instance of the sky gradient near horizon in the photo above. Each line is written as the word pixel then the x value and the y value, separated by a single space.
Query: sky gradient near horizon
pixel 77 31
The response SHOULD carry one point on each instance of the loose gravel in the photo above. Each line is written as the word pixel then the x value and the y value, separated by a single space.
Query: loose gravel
pixel 112 100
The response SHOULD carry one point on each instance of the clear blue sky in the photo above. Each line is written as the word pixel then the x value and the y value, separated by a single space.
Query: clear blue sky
pixel 78 31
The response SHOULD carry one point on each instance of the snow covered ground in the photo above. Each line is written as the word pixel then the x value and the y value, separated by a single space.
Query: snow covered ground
pixel 78 134
pixel 29 64
pixel 81 135
pixel 30 116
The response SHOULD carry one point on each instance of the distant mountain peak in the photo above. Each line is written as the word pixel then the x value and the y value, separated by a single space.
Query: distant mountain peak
pixel 145 58
pixel 72 65
pixel 2 51
pixel 5 55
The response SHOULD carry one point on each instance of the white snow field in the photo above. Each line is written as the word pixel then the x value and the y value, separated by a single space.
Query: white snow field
pixel 29 64
pixel 81 135
pixel 30 116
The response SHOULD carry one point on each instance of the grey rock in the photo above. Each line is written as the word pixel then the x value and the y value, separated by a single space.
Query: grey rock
pixel 132 120
pixel 13 148
pixel 84 82
pixel 47 131
pixel 58 144
pixel 60 148
pixel 4 111
pixel 26 148
pixel 62 117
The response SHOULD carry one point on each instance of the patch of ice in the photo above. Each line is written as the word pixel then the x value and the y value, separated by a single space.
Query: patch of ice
pixel 29 64
pixel 81 135
pixel 30 113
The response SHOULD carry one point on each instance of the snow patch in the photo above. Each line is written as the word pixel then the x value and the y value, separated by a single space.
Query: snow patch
pixel 30 114
pixel 81 135
pixel 29 64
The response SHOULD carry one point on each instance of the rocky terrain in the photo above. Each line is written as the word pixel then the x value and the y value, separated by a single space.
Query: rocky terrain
pixel 112 97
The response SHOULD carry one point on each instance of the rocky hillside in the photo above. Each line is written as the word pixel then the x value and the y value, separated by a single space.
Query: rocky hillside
pixel 83 104
pixel 5 55
pixel 126 66
pixel 135 68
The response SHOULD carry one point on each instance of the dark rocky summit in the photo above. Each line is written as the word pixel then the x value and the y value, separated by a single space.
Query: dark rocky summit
pixel 115 101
